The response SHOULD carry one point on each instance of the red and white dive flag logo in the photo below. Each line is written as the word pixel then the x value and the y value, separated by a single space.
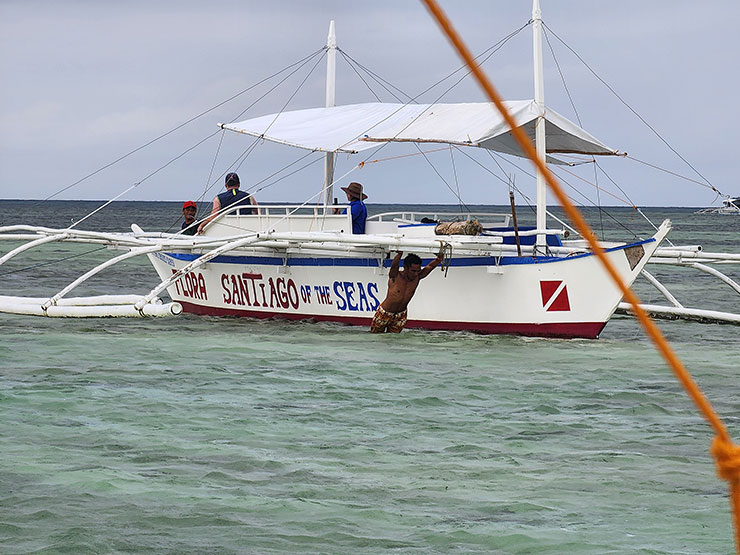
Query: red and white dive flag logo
pixel 554 296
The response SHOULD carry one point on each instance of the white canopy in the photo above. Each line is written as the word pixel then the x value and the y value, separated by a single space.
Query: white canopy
pixel 357 127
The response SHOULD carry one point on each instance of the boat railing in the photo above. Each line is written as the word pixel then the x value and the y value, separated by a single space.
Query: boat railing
pixel 280 217
pixel 411 218
pixel 322 218
pixel 525 233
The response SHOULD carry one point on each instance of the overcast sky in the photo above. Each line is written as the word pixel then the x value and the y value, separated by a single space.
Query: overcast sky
pixel 85 82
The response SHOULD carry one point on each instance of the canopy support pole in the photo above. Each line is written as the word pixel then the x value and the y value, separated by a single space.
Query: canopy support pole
pixel 331 74
pixel 539 137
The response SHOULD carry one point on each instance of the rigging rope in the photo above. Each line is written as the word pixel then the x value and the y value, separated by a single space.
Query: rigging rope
pixel 485 55
pixel 643 120
pixel 596 186
pixel 614 219
pixel 508 183
pixel 300 86
pixel 454 172
pixel 674 174
pixel 593 158
pixel 512 185
pixel 639 211
pixel 580 123
pixel 163 135
pixel 399 156
pixel 598 200
pixel 70 257
pixel 482 57
pixel 99 208
pixel 378 79
pixel 363 79
pixel 460 200
pixel 495 48
pixel 727 454
pixel 245 154
pixel 562 78
pixel 213 166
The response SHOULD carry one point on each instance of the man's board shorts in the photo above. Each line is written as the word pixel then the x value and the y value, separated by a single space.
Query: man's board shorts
pixel 392 322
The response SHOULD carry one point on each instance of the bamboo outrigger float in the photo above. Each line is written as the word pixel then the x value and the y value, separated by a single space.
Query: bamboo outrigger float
pixel 689 257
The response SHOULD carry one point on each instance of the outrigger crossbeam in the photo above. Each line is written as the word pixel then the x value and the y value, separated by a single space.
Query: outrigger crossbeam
pixel 688 257
pixel 139 243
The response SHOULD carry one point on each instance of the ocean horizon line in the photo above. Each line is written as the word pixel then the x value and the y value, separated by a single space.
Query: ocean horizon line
pixel 405 204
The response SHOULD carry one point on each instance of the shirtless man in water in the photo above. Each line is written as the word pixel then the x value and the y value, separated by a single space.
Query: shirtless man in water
pixel 391 314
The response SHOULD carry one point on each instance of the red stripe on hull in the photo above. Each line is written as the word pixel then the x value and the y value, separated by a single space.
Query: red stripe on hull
pixel 565 330
pixel 586 330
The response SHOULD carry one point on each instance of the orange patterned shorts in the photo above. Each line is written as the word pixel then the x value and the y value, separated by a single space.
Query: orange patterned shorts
pixel 385 321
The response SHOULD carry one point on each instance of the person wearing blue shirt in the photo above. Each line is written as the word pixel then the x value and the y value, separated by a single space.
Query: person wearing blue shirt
pixel 355 196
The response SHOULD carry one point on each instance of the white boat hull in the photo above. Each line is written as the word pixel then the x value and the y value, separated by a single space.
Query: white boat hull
pixel 552 297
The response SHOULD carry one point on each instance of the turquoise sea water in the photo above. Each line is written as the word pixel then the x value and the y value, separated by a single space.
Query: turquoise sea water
pixel 206 435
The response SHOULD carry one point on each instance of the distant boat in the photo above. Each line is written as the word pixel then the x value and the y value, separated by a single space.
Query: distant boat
pixel 730 205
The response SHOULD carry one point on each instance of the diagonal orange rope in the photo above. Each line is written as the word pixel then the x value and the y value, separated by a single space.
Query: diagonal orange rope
pixel 727 454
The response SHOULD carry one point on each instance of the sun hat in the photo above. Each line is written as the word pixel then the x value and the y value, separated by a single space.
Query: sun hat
pixel 355 190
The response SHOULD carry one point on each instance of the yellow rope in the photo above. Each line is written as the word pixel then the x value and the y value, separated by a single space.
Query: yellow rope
pixel 727 454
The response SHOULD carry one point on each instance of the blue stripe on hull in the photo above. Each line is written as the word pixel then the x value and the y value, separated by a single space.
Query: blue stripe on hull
pixel 373 262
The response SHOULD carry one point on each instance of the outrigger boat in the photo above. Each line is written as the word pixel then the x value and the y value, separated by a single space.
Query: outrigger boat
pixel 730 205
pixel 304 262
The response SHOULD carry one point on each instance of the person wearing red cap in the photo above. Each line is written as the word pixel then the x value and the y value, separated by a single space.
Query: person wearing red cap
pixel 188 213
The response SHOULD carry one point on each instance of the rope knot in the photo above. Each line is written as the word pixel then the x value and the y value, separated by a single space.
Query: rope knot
pixel 727 458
